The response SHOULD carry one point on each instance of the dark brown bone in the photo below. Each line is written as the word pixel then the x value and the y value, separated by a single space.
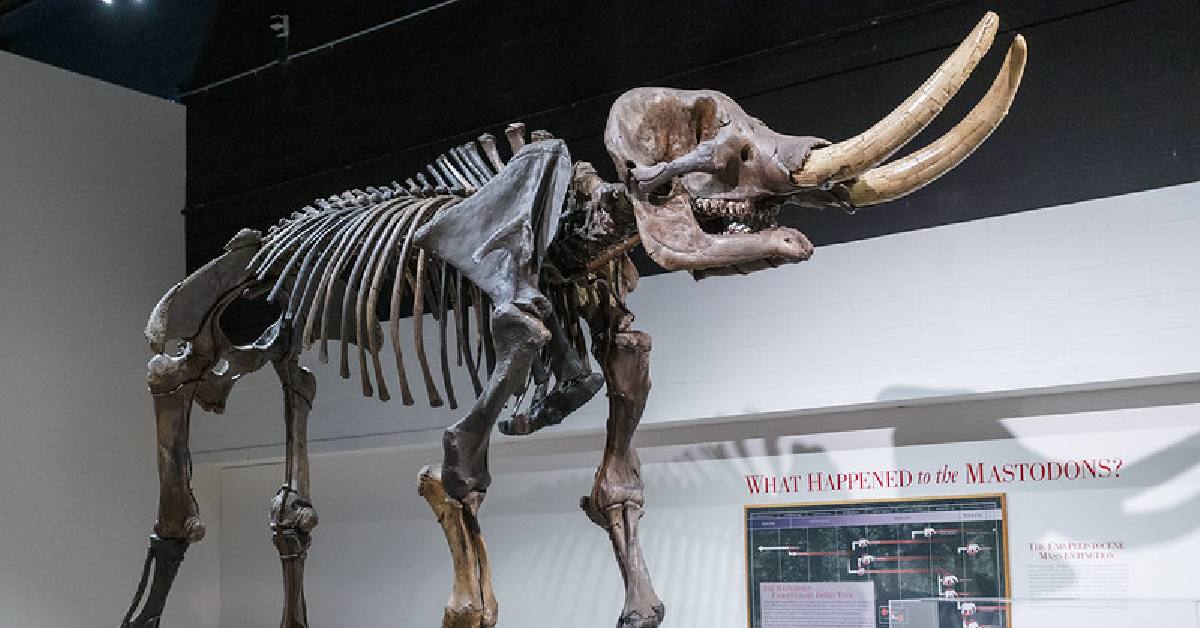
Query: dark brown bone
pixel 680 154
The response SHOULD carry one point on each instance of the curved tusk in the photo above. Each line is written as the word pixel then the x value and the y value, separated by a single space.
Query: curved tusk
pixel 911 173
pixel 852 157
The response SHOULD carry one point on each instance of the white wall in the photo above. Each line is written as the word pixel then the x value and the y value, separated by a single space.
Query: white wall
pixel 91 184
pixel 378 554
pixel 1089 294
pixel 1066 331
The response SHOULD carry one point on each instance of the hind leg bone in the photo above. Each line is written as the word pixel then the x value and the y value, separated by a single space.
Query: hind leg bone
pixel 292 514
pixel 172 380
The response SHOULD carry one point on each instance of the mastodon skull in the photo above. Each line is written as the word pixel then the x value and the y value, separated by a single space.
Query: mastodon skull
pixel 708 180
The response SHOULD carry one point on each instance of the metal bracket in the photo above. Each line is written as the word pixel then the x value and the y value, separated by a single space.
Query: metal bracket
pixel 281 23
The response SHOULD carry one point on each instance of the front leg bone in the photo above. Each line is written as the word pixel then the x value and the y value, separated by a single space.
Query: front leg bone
pixel 456 489
pixel 472 602
pixel 617 496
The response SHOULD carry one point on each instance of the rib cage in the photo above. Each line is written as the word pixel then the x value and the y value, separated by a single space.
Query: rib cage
pixel 329 264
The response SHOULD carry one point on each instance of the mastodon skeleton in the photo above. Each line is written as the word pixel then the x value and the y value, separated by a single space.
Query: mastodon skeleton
pixel 519 254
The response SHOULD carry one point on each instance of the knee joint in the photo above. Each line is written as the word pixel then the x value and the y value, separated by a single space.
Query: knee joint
pixel 291 512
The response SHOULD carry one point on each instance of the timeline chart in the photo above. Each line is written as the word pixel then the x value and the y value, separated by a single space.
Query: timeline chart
pixel 842 563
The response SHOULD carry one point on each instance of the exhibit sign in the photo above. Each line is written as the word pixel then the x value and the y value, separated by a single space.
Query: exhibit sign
pixel 843 564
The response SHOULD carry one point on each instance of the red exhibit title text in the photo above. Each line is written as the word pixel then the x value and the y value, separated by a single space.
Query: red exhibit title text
pixel 971 473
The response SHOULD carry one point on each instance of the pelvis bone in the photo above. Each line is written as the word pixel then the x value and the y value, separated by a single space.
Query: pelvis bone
pixel 707 179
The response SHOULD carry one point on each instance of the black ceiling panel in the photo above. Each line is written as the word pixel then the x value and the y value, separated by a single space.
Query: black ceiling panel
pixel 1109 103
pixel 364 92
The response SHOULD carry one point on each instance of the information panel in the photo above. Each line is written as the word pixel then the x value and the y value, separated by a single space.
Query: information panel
pixel 841 564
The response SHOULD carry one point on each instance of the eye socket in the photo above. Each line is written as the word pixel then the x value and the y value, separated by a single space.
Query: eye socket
pixel 662 192
pixel 746 153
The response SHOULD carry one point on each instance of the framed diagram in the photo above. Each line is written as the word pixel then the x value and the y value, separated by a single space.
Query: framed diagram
pixel 843 563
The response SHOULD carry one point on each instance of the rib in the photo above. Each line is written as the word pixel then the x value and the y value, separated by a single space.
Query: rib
pixel 293 238
pixel 435 399
pixel 481 323
pixel 328 258
pixel 277 238
pixel 366 318
pixel 331 275
pixel 364 251
pixel 443 296
pixel 489 349
pixel 398 296
pixel 459 308
pixel 373 300
pixel 379 253
pixel 463 317
pixel 308 277
pixel 323 228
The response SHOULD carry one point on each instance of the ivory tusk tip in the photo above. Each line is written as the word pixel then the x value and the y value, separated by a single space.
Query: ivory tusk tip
pixel 910 173
pixel 850 158
pixel 1018 46
pixel 1014 63
pixel 988 25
